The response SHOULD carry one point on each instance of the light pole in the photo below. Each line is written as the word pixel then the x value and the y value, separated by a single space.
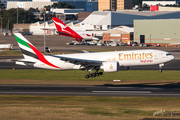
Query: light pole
pixel 17 18
pixel 23 24
pixel 44 32
pixel 1 25
pixel 8 26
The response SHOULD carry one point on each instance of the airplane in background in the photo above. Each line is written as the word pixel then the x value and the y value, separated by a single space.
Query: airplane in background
pixel 63 29
pixel 107 61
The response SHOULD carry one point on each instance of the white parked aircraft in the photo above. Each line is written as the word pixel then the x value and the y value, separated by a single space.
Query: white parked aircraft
pixel 106 61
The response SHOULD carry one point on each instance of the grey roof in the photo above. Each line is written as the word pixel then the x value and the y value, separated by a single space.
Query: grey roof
pixel 100 13
pixel 127 17
pixel 145 13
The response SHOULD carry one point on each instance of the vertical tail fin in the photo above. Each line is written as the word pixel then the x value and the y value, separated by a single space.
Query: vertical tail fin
pixel 28 50
pixel 64 30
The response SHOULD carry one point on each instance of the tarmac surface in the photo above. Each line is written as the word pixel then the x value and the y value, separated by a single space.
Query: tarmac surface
pixel 58 43
pixel 106 90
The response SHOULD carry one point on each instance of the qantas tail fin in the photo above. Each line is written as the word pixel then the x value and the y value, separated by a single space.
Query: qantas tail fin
pixel 28 50
pixel 64 30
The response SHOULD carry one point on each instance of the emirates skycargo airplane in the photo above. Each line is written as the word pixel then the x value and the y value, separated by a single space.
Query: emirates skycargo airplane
pixel 63 29
pixel 106 61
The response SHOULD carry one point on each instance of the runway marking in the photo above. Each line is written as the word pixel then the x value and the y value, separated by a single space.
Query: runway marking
pixel 6 60
pixel 139 92
pixel 135 88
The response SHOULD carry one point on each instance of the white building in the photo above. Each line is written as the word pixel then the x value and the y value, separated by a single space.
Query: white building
pixel 149 3
pixel 66 10
pixel 162 8
pixel 26 5
pixel 38 28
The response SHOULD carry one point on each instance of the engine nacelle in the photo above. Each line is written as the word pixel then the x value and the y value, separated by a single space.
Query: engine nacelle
pixel 112 66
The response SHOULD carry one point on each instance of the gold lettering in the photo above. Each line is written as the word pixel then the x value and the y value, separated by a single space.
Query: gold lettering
pixel 120 56
pixel 146 55
pixel 151 55
pixel 139 57
pixel 132 55
pixel 127 56
pixel 142 55
pixel 135 56
pixel 113 59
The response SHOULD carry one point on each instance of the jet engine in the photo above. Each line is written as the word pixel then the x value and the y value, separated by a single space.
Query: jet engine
pixel 112 66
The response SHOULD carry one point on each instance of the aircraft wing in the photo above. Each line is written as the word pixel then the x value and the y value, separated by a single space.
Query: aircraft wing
pixel 82 62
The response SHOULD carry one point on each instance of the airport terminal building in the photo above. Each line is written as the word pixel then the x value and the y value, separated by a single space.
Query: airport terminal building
pixel 157 31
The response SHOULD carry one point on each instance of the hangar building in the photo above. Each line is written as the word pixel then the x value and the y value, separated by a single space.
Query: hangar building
pixel 105 20
pixel 159 31
pixel 121 34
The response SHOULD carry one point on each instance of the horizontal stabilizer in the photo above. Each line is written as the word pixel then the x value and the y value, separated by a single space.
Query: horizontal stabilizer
pixel 26 61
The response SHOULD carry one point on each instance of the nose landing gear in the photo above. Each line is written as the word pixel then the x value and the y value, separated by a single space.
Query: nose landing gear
pixel 160 67
pixel 160 70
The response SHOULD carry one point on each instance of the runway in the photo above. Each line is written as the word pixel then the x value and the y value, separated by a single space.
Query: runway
pixel 140 90
pixel 67 90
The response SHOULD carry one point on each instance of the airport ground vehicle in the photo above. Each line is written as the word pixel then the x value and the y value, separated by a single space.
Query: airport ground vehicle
pixel 114 44
pixel 135 44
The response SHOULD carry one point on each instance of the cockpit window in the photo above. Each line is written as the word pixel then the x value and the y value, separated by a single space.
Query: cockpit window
pixel 168 54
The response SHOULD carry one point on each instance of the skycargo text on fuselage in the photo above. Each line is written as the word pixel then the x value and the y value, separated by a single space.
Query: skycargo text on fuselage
pixel 135 56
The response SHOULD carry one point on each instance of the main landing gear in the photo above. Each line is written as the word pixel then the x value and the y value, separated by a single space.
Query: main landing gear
pixel 94 74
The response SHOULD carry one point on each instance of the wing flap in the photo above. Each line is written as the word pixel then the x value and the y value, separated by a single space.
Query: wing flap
pixel 77 61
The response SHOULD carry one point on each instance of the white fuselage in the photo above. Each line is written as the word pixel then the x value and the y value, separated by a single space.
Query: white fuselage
pixel 89 35
pixel 124 58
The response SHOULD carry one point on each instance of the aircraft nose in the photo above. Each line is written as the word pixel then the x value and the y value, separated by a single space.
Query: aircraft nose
pixel 171 58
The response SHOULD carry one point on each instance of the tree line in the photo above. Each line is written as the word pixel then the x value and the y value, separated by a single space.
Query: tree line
pixel 9 17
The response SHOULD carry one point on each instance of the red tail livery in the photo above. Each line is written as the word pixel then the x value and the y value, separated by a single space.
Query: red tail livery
pixel 64 30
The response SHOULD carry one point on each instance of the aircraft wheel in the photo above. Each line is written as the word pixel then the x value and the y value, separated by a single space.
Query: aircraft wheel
pixel 160 70
pixel 90 75
pixel 100 73
pixel 94 74
pixel 87 76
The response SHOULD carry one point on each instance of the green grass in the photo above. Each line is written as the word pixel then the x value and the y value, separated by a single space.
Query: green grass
pixel 10 53
pixel 78 75
pixel 84 107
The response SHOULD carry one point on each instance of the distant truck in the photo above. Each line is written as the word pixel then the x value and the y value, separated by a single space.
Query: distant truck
pixel 6 46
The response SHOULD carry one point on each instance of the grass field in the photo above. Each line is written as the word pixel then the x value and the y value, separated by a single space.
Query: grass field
pixel 40 76
pixel 89 108
pixel 14 107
